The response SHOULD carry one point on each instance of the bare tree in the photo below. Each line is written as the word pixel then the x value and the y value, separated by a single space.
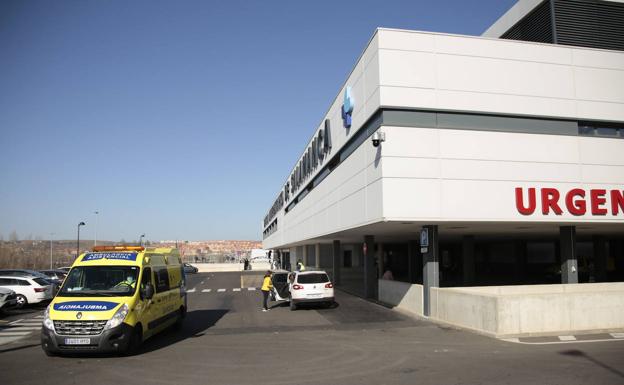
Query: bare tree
pixel 29 237
pixel 1 238
pixel 13 236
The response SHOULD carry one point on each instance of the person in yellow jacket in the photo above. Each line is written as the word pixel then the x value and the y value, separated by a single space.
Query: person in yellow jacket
pixel 267 285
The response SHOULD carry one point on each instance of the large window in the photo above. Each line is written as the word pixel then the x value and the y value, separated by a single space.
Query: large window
pixel 100 281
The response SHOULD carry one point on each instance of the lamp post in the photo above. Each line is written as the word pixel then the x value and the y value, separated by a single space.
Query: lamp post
pixel 141 239
pixel 51 234
pixel 78 241
pixel 96 212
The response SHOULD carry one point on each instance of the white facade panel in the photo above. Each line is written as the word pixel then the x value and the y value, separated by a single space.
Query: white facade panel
pixel 502 170
pixel 473 175
pixel 484 145
pixel 597 84
pixel 445 175
pixel 499 76
pixel 407 69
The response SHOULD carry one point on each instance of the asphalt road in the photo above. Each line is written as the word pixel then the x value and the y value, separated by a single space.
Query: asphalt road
pixel 227 339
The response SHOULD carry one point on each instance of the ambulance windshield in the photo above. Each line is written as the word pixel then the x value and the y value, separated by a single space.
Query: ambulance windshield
pixel 100 281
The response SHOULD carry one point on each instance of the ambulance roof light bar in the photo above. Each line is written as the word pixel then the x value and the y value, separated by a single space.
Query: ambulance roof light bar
pixel 118 248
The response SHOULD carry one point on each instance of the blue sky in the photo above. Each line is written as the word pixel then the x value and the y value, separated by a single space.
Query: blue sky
pixel 178 119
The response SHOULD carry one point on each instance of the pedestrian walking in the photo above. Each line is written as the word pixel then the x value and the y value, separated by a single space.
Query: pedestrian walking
pixel 300 265
pixel 267 285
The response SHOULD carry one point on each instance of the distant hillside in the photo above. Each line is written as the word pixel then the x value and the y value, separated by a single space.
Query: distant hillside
pixel 35 254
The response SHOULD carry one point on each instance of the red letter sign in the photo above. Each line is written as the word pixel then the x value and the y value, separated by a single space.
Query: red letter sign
pixel 579 206
pixel 617 201
pixel 597 200
pixel 550 197
pixel 520 204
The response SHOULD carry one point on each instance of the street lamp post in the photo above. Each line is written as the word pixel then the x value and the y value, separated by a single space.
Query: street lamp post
pixel 51 234
pixel 96 212
pixel 78 241
pixel 141 239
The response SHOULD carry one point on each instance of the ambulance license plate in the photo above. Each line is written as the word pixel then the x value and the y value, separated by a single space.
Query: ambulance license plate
pixel 77 341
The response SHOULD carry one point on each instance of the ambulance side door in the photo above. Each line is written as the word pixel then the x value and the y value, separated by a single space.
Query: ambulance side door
pixel 146 307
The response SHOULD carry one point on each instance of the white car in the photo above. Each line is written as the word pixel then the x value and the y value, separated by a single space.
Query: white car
pixel 7 299
pixel 28 290
pixel 310 286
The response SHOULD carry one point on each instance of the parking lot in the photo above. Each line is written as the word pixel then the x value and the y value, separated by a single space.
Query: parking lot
pixel 227 339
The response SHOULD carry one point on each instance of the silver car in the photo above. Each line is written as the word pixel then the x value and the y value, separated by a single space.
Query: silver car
pixel 8 299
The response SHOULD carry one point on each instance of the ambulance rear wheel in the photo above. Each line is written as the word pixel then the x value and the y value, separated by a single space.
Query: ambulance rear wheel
pixel 180 320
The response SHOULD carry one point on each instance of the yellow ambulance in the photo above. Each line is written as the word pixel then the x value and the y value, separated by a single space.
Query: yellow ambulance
pixel 114 298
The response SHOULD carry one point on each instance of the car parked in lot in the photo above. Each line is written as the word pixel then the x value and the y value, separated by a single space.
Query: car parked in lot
pixel 28 290
pixel 31 274
pixel 8 299
pixel 310 286
pixel 55 275
pixel 190 269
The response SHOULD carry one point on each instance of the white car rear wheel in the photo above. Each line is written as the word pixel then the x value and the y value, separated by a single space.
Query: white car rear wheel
pixel 21 301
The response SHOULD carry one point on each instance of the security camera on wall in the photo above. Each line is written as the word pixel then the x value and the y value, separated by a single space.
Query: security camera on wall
pixel 377 138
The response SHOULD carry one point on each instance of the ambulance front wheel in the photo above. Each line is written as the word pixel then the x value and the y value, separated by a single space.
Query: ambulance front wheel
pixel 135 340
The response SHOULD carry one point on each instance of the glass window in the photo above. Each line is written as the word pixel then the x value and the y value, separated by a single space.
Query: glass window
pixel 313 278
pixel 146 278
pixel 5 282
pixel 23 282
pixel 162 279
pixel 41 281
pixel 279 278
pixel 103 281
pixel 586 130
pixel 607 131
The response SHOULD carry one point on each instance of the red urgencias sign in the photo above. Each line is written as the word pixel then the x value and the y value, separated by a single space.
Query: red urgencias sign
pixel 576 201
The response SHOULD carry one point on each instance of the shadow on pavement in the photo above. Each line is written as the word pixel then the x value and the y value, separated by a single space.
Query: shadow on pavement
pixel 581 354
pixel 195 325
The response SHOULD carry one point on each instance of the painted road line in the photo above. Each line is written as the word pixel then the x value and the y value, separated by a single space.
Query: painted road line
pixel 30 324
pixel 39 316
pixel 202 282
pixel 6 340
pixel 7 333
pixel 567 338
pixel 221 290
pixel 236 289
pixel 206 290
pixel 21 328
pixel 617 335
pixel 251 288
pixel 14 322
pixel 191 291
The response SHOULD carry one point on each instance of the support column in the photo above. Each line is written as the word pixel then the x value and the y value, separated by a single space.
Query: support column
pixel 413 252
pixel 600 258
pixel 468 260
pixel 370 273
pixel 304 256
pixel 567 241
pixel 317 252
pixel 337 250
pixel 431 268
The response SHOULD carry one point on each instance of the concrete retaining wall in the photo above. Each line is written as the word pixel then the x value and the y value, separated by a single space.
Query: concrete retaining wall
pixel 403 295
pixel 531 309
pixel 217 267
